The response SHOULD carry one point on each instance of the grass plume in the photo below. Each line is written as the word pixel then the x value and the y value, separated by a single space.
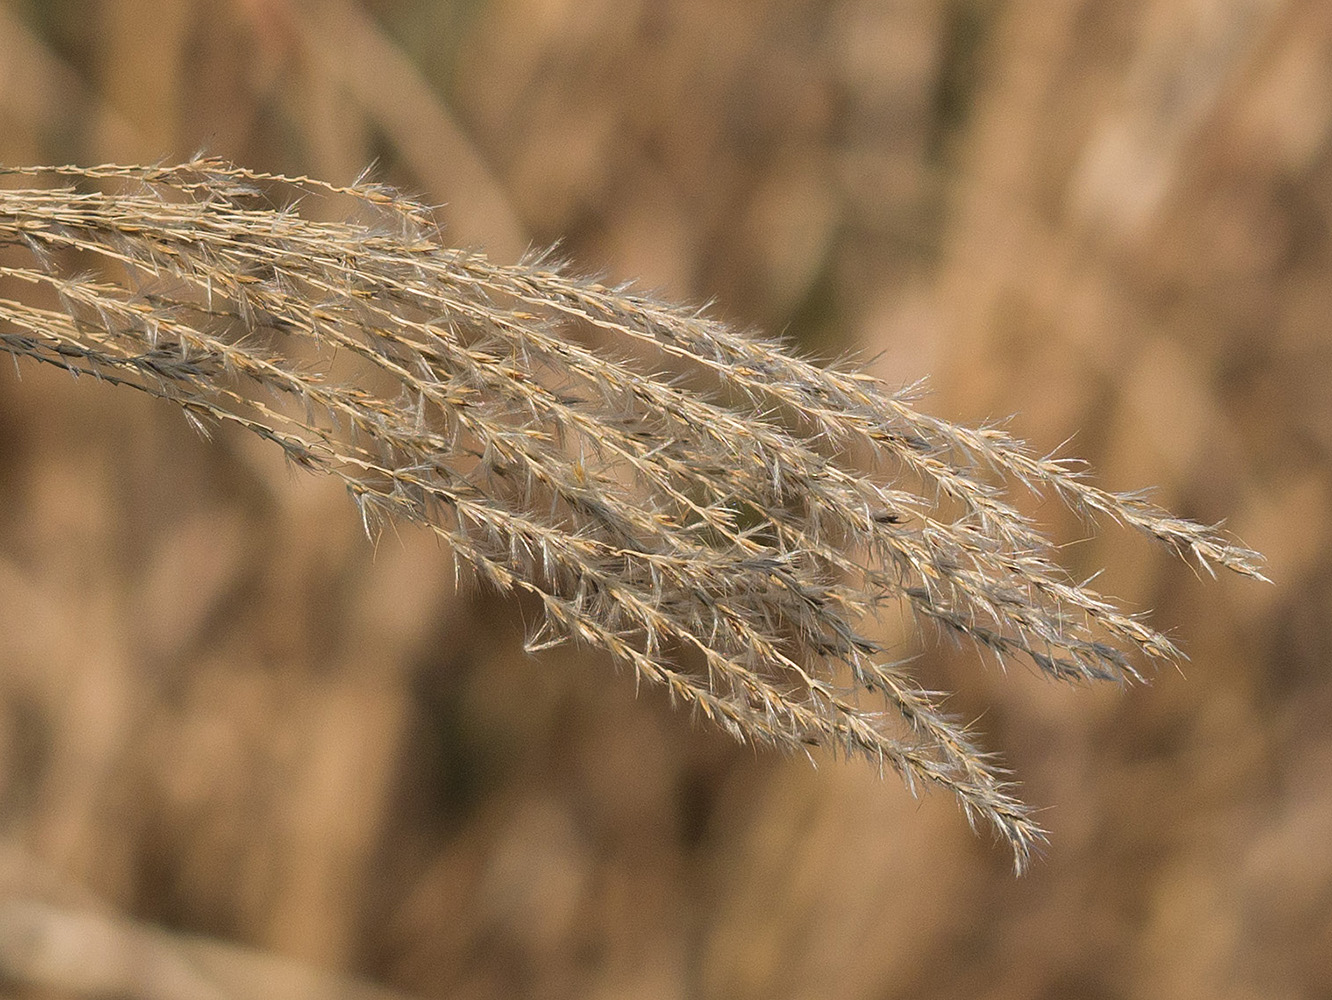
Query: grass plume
pixel 727 531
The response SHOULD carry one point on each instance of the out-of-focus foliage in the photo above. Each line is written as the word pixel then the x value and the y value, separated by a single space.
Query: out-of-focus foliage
pixel 222 711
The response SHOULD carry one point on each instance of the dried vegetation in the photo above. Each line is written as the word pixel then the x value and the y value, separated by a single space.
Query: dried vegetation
pixel 718 515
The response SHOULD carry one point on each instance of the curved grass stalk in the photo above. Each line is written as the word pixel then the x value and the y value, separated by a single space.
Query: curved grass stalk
pixel 719 543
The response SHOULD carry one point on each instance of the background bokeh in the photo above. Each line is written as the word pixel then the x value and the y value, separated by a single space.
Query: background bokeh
pixel 228 719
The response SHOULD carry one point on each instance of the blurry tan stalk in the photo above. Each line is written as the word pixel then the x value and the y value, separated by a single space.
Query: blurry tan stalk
pixel 82 952
pixel 721 543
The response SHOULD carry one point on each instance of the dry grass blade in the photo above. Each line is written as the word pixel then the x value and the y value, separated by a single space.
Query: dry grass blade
pixel 719 543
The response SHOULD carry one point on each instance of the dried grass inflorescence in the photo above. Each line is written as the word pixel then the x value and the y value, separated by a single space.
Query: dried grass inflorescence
pixel 727 531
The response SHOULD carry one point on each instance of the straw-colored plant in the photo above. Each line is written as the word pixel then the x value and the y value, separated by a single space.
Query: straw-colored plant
pixel 727 530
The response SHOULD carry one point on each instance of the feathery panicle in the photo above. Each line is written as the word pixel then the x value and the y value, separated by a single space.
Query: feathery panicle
pixel 718 541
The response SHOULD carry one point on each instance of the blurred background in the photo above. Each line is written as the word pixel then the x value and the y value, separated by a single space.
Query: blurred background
pixel 236 736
